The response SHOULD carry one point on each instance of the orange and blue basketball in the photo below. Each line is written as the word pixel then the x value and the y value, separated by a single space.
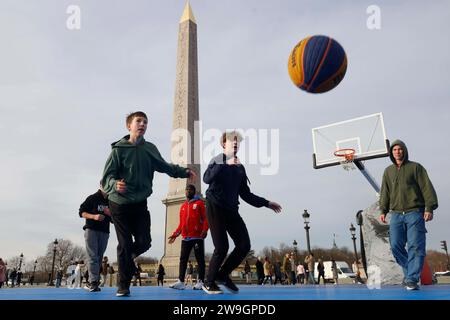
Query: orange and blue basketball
pixel 317 64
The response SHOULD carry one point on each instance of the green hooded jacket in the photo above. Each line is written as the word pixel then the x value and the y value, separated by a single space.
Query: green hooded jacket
pixel 135 164
pixel 407 188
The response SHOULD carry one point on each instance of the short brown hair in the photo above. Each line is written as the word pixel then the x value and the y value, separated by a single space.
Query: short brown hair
pixel 133 115
pixel 229 135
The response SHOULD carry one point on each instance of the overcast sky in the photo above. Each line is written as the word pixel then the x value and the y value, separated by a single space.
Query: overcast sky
pixel 64 95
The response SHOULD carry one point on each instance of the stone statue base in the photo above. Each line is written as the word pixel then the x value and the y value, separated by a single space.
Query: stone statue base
pixel 381 265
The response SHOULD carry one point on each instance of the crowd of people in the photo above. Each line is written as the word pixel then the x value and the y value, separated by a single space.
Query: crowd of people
pixel 289 272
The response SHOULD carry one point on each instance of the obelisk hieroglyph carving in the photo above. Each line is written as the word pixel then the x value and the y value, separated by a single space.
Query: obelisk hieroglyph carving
pixel 185 150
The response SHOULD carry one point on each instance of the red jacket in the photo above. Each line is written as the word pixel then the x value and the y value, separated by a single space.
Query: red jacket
pixel 192 219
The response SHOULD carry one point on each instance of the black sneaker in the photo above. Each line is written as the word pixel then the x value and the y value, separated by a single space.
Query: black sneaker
pixel 227 283
pixel 411 286
pixel 212 288
pixel 123 292
pixel 93 287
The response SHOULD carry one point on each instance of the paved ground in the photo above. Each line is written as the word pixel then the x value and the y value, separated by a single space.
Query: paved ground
pixel 252 292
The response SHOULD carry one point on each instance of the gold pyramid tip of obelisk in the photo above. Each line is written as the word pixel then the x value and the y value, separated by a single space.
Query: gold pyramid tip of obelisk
pixel 187 14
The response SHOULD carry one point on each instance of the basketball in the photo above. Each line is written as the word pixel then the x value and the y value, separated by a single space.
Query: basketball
pixel 317 64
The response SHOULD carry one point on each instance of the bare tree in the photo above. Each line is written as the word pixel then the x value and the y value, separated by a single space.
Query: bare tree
pixel 66 253
pixel 14 263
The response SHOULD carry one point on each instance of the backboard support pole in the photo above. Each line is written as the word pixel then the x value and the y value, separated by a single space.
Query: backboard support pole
pixel 367 175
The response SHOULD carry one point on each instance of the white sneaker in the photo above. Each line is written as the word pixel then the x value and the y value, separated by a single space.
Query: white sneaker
pixel 178 285
pixel 198 285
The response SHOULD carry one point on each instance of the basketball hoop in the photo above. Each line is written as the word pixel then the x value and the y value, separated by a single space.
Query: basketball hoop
pixel 348 157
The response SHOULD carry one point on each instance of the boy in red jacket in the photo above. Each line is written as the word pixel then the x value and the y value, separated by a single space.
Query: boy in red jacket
pixel 193 228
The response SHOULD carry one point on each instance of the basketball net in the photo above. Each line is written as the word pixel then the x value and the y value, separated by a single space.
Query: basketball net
pixel 347 156
pixel 348 165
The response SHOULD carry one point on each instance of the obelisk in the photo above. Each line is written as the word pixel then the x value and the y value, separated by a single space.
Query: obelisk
pixel 185 148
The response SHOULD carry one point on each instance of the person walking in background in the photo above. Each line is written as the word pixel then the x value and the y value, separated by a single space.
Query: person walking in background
pixel 247 272
pixel 31 281
pixel 75 280
pixel 309 259
pixel 335 271
pixel 293 268
pixel 408 195
pixel 259 270
pixel 321 271
pixel 13 276
pixel 7 272
pixel 138 273
pixel 278 273
pixel 59 276
pixel 301 273
pixel 2 272
pixel 161 273
pixel 287 269
pixel 104 271
pixel 189 272
pixel 111 272
pixel 268 270
pixel 19 277
pixel 305 265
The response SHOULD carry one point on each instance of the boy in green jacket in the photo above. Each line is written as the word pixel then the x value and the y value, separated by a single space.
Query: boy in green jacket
pixel 408 195
pixel 127 178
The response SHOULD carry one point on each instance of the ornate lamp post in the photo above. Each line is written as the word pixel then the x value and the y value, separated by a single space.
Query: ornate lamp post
pixel 34 270
pixel 306 216
pixel 20 262
pixel 359 221
pixel 55 244
pixel 295 249
pixel 353 232
pixel 444 247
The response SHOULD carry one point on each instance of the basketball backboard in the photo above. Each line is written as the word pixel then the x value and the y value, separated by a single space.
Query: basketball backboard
pixel 366 135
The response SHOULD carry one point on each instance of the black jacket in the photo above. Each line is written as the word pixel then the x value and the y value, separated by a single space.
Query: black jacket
pixel 95 204
pixel 227 183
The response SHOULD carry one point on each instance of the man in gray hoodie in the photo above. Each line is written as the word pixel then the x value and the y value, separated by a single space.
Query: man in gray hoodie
pixel 409 196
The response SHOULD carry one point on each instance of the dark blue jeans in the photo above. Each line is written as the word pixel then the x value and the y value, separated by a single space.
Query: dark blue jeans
pixel 408 229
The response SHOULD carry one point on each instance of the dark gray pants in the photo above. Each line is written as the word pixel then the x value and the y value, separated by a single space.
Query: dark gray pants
pixel 96 243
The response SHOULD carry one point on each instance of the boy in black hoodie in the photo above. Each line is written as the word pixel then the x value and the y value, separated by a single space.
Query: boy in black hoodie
pixel 96 234
pixel 227 181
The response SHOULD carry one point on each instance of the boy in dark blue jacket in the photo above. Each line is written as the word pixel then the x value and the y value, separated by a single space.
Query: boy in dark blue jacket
pixel 227 181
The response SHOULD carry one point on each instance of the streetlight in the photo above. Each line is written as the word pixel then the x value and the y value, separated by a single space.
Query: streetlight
pixel 305 216
pixel 55 243
pixel 20 262
pixel 359 221
pixel 353 232
pixel 34 270
pixel 444 247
